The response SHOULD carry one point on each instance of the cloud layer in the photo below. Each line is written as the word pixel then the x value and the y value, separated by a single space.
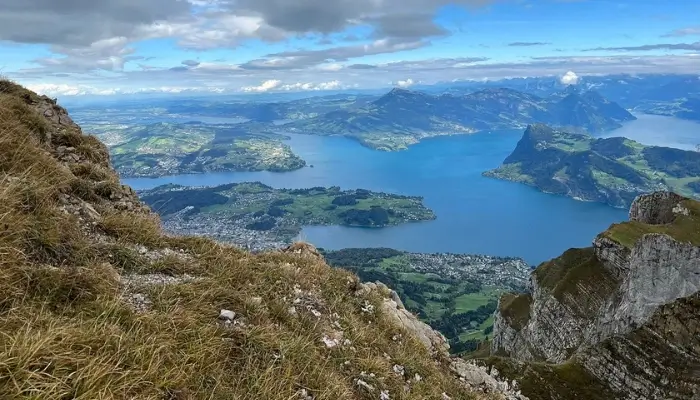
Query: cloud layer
pixel 97 47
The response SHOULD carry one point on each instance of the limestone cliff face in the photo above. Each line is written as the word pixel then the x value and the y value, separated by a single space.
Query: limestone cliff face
pixel 624 309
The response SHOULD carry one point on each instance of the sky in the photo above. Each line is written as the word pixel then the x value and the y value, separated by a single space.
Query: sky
pixel 107 47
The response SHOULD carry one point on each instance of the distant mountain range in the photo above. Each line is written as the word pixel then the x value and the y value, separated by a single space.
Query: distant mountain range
pixel 403 117
pixel 675 95
pixel 613 170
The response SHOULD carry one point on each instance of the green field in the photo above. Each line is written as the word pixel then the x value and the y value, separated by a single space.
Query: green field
pixel 459 304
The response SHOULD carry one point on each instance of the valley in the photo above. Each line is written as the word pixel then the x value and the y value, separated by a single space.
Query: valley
pixel 455 293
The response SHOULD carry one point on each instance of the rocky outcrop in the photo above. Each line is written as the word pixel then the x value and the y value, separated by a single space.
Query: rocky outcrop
pixel 657 208
pixel 476 377
pixel 622 309
pixel 394 309
pixel 659 360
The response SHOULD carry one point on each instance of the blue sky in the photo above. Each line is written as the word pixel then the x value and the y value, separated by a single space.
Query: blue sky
pixel 127 46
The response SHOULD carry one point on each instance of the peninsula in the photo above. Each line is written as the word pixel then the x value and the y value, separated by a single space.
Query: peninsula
pixel 166 148
pixel 257 216
pixel 612 171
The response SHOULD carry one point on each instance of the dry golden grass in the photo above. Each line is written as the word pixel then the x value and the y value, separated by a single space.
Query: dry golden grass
pixel 67 333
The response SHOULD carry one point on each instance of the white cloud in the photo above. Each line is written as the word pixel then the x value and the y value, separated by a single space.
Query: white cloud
pixel 51 89
pixel 225 76
pixel 332 85
pixel 693 30
pixel 266 86
pixel 405 83
pixel 569 78
pixel 332 67
pixel 276 84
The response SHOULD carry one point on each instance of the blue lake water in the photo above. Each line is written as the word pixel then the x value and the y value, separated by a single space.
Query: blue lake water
pixel 659 130
pixel 474 214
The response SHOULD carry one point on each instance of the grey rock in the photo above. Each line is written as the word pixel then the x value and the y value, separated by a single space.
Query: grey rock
pixel 227 315
pixel 434 341
pixel 485 379
pixel 655 208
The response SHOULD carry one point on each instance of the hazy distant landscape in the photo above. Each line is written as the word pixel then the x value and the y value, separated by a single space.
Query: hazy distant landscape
pixel 446 171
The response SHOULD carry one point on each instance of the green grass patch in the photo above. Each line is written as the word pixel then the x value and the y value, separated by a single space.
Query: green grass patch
pixel 515 308
pixel 685 228
pixel 541 381
pixel 578 279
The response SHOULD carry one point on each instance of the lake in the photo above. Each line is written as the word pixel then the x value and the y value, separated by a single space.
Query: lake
pixel 474 214
pixel 659 130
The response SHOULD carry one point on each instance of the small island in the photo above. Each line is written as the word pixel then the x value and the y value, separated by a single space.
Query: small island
pixel 456 294
pixel 259 217
pixel 612 170
pixel 159 149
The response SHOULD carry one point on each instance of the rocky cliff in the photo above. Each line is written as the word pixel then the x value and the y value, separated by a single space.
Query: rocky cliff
pixel 623 313
pixel 96 302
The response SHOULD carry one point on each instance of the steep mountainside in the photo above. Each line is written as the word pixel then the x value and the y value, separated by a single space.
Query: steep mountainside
pixel 95 302
pixel 615 320
pixel 403 117
pixel 612 171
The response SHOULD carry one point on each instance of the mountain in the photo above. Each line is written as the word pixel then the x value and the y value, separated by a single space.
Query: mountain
pixel 618 320
pixel 612 171
pixel 591 111
pixel 95 301
pixel 404 117
pixel 266 109
pixel 631 91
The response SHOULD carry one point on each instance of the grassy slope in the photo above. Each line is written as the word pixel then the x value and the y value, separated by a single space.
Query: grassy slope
pixel 685 228
pixel 66 331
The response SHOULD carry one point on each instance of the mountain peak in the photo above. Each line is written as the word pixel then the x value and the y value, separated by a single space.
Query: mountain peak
pixel 400 91
pixel 401 95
